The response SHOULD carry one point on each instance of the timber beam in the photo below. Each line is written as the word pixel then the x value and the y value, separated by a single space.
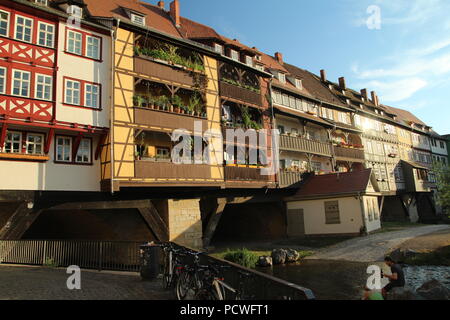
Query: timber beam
pixel 103 205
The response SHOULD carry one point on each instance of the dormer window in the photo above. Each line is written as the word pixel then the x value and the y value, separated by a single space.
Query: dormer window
pixel 75 11
pixel 138 19
pixel 43 2
pixel 218 48
pixel 260 67
pixel 234 55
pixel 249 61
pixel 298 84
pixel 282 77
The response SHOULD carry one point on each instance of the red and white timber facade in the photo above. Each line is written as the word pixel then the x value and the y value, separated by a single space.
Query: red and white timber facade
pixel 54 99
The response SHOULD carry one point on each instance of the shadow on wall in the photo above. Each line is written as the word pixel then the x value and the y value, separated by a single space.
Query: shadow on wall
pixel 6 211
pixel 112 225
pixel 251 222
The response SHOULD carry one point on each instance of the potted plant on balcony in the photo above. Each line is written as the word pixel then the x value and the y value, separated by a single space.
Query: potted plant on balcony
pixel 138 101
pixel 150 101
pixel 177 103
pixel 194 104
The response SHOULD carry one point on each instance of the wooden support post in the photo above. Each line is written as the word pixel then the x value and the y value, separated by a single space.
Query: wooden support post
pixel 76 145
pixel 49 140
pixel 155 222
pixel 101 142
pixel 213 222
pixel 19 222
pixel 3 135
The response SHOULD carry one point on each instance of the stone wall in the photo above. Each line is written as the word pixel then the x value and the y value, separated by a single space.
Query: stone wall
pixel 185 223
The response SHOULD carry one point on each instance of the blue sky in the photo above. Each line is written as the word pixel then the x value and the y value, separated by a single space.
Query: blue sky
pixel 406 61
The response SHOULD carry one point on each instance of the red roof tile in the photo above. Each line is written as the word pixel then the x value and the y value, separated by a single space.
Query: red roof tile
pixel 337 183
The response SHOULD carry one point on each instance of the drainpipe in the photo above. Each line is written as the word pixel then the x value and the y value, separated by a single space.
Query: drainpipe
pixel 361 202
pixel 273 127
pixel 113 84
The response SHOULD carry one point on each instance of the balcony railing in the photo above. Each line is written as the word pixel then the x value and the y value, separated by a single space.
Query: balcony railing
pixel 349 154
pixel 163 71
pixel 239 93
pixel 381 135
pixel 162 119
pixel 291 143
pixel 27 52
pixel 289 179
pixel 24 108
pixel 244 174
pixel 169 170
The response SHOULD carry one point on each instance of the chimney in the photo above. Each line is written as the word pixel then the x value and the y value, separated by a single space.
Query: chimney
pixel 374 98
pixel 364 94
pixel 323 75
pixel 175 12
pixel 279 57
pixel 161 5
pixel 342 83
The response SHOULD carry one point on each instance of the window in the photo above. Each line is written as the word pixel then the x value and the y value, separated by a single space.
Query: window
pixel 260 67
pixel 281 129
pixel 24 29
pixel 13 142
pixel 249 61
pixel 92 96
pixel 43 2
pixel 44 87
pixel 442 144
pixel 46 34
pixel 298 83
pixel 4 23
pixel 285 100
pixel 64 149
pixel 2 80
pixel 74 42
pixel 234 55
pixel 84 151
pixel 162 153
pixel 316 166
pixel 138 19
pixel 72 92
pixel 93 47
pixel 21 83
pixel 332 212
pixel 282 77
pixel 283 164
pixel 35 143
pixel 75 11
pixel 294 132
pixel 218 48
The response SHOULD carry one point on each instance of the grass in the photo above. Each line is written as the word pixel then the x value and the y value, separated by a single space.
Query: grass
pixel 397 226
pixel 439 257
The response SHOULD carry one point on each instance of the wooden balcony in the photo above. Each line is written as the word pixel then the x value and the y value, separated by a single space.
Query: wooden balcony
pixel 348 154
pixel 238 93
pixel 289 179
pixel 381 135
pixel 233 173
pixel 27 52
pixel 167 120
pixel 299 144
pixel 162 71
pixel 167 170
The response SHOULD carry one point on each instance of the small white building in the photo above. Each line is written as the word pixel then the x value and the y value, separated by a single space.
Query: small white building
pixel 335 204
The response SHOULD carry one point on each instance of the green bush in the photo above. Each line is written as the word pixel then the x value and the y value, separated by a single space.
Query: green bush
pixel 242 257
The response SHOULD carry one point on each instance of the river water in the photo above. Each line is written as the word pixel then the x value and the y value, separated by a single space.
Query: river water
pixel 343 280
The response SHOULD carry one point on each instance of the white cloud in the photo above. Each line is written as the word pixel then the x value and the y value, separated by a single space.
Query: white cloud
pixel 394 91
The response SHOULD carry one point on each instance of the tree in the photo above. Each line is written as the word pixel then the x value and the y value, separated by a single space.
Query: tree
pixel 442 175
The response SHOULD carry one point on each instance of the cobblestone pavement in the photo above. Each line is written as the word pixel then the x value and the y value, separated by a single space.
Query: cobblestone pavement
pixel 36 283
pixel 373 247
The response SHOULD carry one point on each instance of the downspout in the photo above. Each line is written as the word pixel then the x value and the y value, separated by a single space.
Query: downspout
pixel 273 127
pixel 361 202
pixel 113 85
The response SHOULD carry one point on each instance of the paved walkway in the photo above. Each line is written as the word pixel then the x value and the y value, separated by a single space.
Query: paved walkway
pixel 36 283
pixel 373 247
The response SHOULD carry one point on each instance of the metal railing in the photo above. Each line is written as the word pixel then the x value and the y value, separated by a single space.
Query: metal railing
pixel 89 254
pixel 291 143
pixel 260 286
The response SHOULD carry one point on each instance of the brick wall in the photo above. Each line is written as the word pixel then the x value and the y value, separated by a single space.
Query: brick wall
pixel 185 224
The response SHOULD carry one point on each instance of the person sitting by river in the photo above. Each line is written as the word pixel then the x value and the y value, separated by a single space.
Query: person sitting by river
pixel 372 294
pixel 396 278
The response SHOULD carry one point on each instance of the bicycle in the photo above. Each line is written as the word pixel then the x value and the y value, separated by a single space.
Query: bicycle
pixel 189 281
pixel 172 265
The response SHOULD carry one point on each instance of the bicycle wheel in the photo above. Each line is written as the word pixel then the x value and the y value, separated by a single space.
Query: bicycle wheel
pixel 182 286
pixel 206 295
pixel 168 276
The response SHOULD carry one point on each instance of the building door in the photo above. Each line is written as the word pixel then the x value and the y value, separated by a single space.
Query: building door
pixel 295 223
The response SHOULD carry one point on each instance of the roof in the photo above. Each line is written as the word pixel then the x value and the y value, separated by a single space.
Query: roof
pixel 194 30
pixel 156 17
pixel 334 184
pixel 301 114
pixel 404 115
pixel 415 165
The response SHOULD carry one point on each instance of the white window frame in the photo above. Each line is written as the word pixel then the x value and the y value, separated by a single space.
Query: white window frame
pixel 12 142
pixel 138 19
pixel 218 48
pixel 43 2
pixel 3 80
pixel 65 138
pixel 47 33
pixel 24 28
pixel 86 92
pixel 7 22
pixel 98 47
pixel 249 61
pixel 234 55
pixel 281 77
pixel 84 152
pixel 21 83
pixel 34 144
pixel 66 88
pixel 299 84
pixel 69 32
pixel 45 85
